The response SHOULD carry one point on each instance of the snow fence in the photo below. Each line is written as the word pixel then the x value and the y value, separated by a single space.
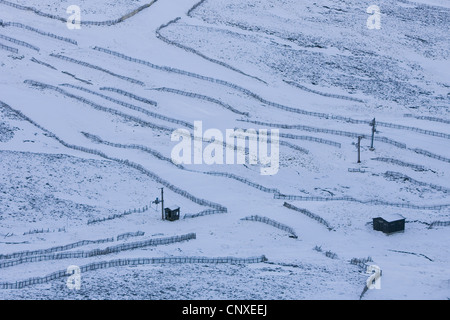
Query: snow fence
pixel 130 262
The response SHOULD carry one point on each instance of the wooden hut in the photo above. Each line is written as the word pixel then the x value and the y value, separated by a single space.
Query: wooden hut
pixel 172 213
pixel 389 223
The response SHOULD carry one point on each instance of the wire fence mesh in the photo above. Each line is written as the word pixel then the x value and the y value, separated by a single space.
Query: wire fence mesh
pixel 28 253
pixel 309 214
pixel 130 262
pixel 19 42
pixel 401 163
pixel 130 95
pixel 202 213
pixel 91 66
pixel 403 177
pixel 8 48
pixel 329 95
pixel 435 119
pixel 43 63
pixel 372 202
pixel 273 223
pixel 439 224
pixel 132 107
pixel 309 138
pixel 125 236
pixel 431 155
pixel 97 252
pixel 43 33
pixel 201 97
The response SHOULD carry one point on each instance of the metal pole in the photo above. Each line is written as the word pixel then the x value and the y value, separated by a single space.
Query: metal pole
pixel 359 149
pixel 162 203
pixel 373 134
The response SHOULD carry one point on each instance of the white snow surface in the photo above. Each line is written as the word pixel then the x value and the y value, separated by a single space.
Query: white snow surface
pixel 49 192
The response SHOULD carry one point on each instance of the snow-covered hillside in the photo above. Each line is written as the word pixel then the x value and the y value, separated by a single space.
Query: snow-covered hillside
pixel 86 117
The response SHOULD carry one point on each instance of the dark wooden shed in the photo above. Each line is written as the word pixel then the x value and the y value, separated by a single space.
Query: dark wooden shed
pixel 172 213
pixel 389 223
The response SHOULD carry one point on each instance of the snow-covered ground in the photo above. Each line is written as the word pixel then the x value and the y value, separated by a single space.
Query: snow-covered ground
pixel 91 10
pixel 283 64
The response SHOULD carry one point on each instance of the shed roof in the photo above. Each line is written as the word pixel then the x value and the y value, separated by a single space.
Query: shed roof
pixel 391 217
pixel 173 208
